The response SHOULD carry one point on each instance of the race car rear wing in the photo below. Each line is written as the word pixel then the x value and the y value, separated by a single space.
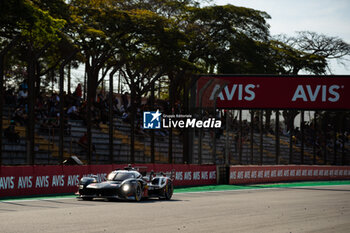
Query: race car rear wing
pixel 170 174
pixel 151 174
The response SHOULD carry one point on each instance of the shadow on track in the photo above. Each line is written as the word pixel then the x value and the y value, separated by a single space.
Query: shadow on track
pixel 143 201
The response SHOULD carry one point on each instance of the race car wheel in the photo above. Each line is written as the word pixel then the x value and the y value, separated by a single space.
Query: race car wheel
pixel 169 189
pixel 87 198
pixel 138 192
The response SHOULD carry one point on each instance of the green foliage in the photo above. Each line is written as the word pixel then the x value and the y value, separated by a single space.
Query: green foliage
pixel 158 38
pixel 24 18
pixel 289 60
pixel 44 30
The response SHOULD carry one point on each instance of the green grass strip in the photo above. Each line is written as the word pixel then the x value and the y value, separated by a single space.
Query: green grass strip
pixel 258 186
pixel 39 197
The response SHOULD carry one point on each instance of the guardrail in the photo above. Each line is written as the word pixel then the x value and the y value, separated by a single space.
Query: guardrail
pixel 265 174
pixel 59 179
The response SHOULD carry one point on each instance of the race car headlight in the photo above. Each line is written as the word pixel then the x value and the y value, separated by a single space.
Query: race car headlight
pixel 126 187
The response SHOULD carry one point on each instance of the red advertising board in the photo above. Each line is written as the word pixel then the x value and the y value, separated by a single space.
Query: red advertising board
pixel 275 92
pixel 264 174
pixel 41 180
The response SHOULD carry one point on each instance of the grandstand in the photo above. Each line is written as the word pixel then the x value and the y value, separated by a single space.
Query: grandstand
pixel 47 141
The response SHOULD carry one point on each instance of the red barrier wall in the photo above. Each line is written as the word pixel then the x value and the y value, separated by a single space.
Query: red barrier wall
pixel 264 174
pixel 41 180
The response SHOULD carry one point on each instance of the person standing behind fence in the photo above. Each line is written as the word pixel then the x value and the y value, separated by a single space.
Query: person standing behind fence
pixel 78 93
pixel 125 101
pixel 11 134
pixel 22 96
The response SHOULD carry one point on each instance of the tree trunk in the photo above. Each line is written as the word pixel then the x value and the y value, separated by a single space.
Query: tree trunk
pixel 110 117
pixel 69 79
pixel 92 76
pixel 171 101
pixel 2 57
pixel 31 104
pixel 61 120
pixel 37 79
pixel 152 131
pixel 132 123
pixel 277 135
pixel 185 134
pixel 2 61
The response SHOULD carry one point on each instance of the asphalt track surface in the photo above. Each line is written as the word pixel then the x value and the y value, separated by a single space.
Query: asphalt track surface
pixel 291 209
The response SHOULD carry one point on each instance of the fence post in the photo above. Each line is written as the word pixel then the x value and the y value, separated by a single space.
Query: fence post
pixel 152 131
pixel 277 134
pixel 302 122
pixel 48 146
pixel 240 137
pixel 315 138
pixel 1 100
pixel 252 136
pixel 200 132
pixel 291 127
pixel 261 136
pixel 227 162
pixel 335 129
pixel 2 60
pixel 110 117
pixel 342 140
pixel 61 120
pixel 325 140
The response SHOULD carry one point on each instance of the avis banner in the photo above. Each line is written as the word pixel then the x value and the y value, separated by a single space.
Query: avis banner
pixel 274 92
pixel 264 174
pixel 43 180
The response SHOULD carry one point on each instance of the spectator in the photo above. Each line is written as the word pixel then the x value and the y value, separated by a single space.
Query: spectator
pixel 73 112
pixel 96 114
pixel 54 105
pixel 11 134
pixel 24 85
pixel 125 117
pixel 83 142
pixel 22 96
pixel 10 97
pixel 78 92
pixel 20 116
pixel 125 101
pixel 116 109
pixel 41 111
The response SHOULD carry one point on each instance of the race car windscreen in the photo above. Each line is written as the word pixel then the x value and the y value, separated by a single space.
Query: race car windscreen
pixel 118 176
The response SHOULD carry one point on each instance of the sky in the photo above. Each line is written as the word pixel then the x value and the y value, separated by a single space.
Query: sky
pixel 329 17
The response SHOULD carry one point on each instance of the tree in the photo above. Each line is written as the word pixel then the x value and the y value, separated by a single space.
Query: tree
pixel 328 47
pixel 31 27
pixel 291 60
pixel 227 36
pixel 148 56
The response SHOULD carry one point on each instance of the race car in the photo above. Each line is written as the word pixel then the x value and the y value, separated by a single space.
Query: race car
pixel 127 184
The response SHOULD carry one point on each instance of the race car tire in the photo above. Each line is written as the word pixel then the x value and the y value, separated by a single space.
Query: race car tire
pixel 87 198
pixel 138 192
pixel 169 189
